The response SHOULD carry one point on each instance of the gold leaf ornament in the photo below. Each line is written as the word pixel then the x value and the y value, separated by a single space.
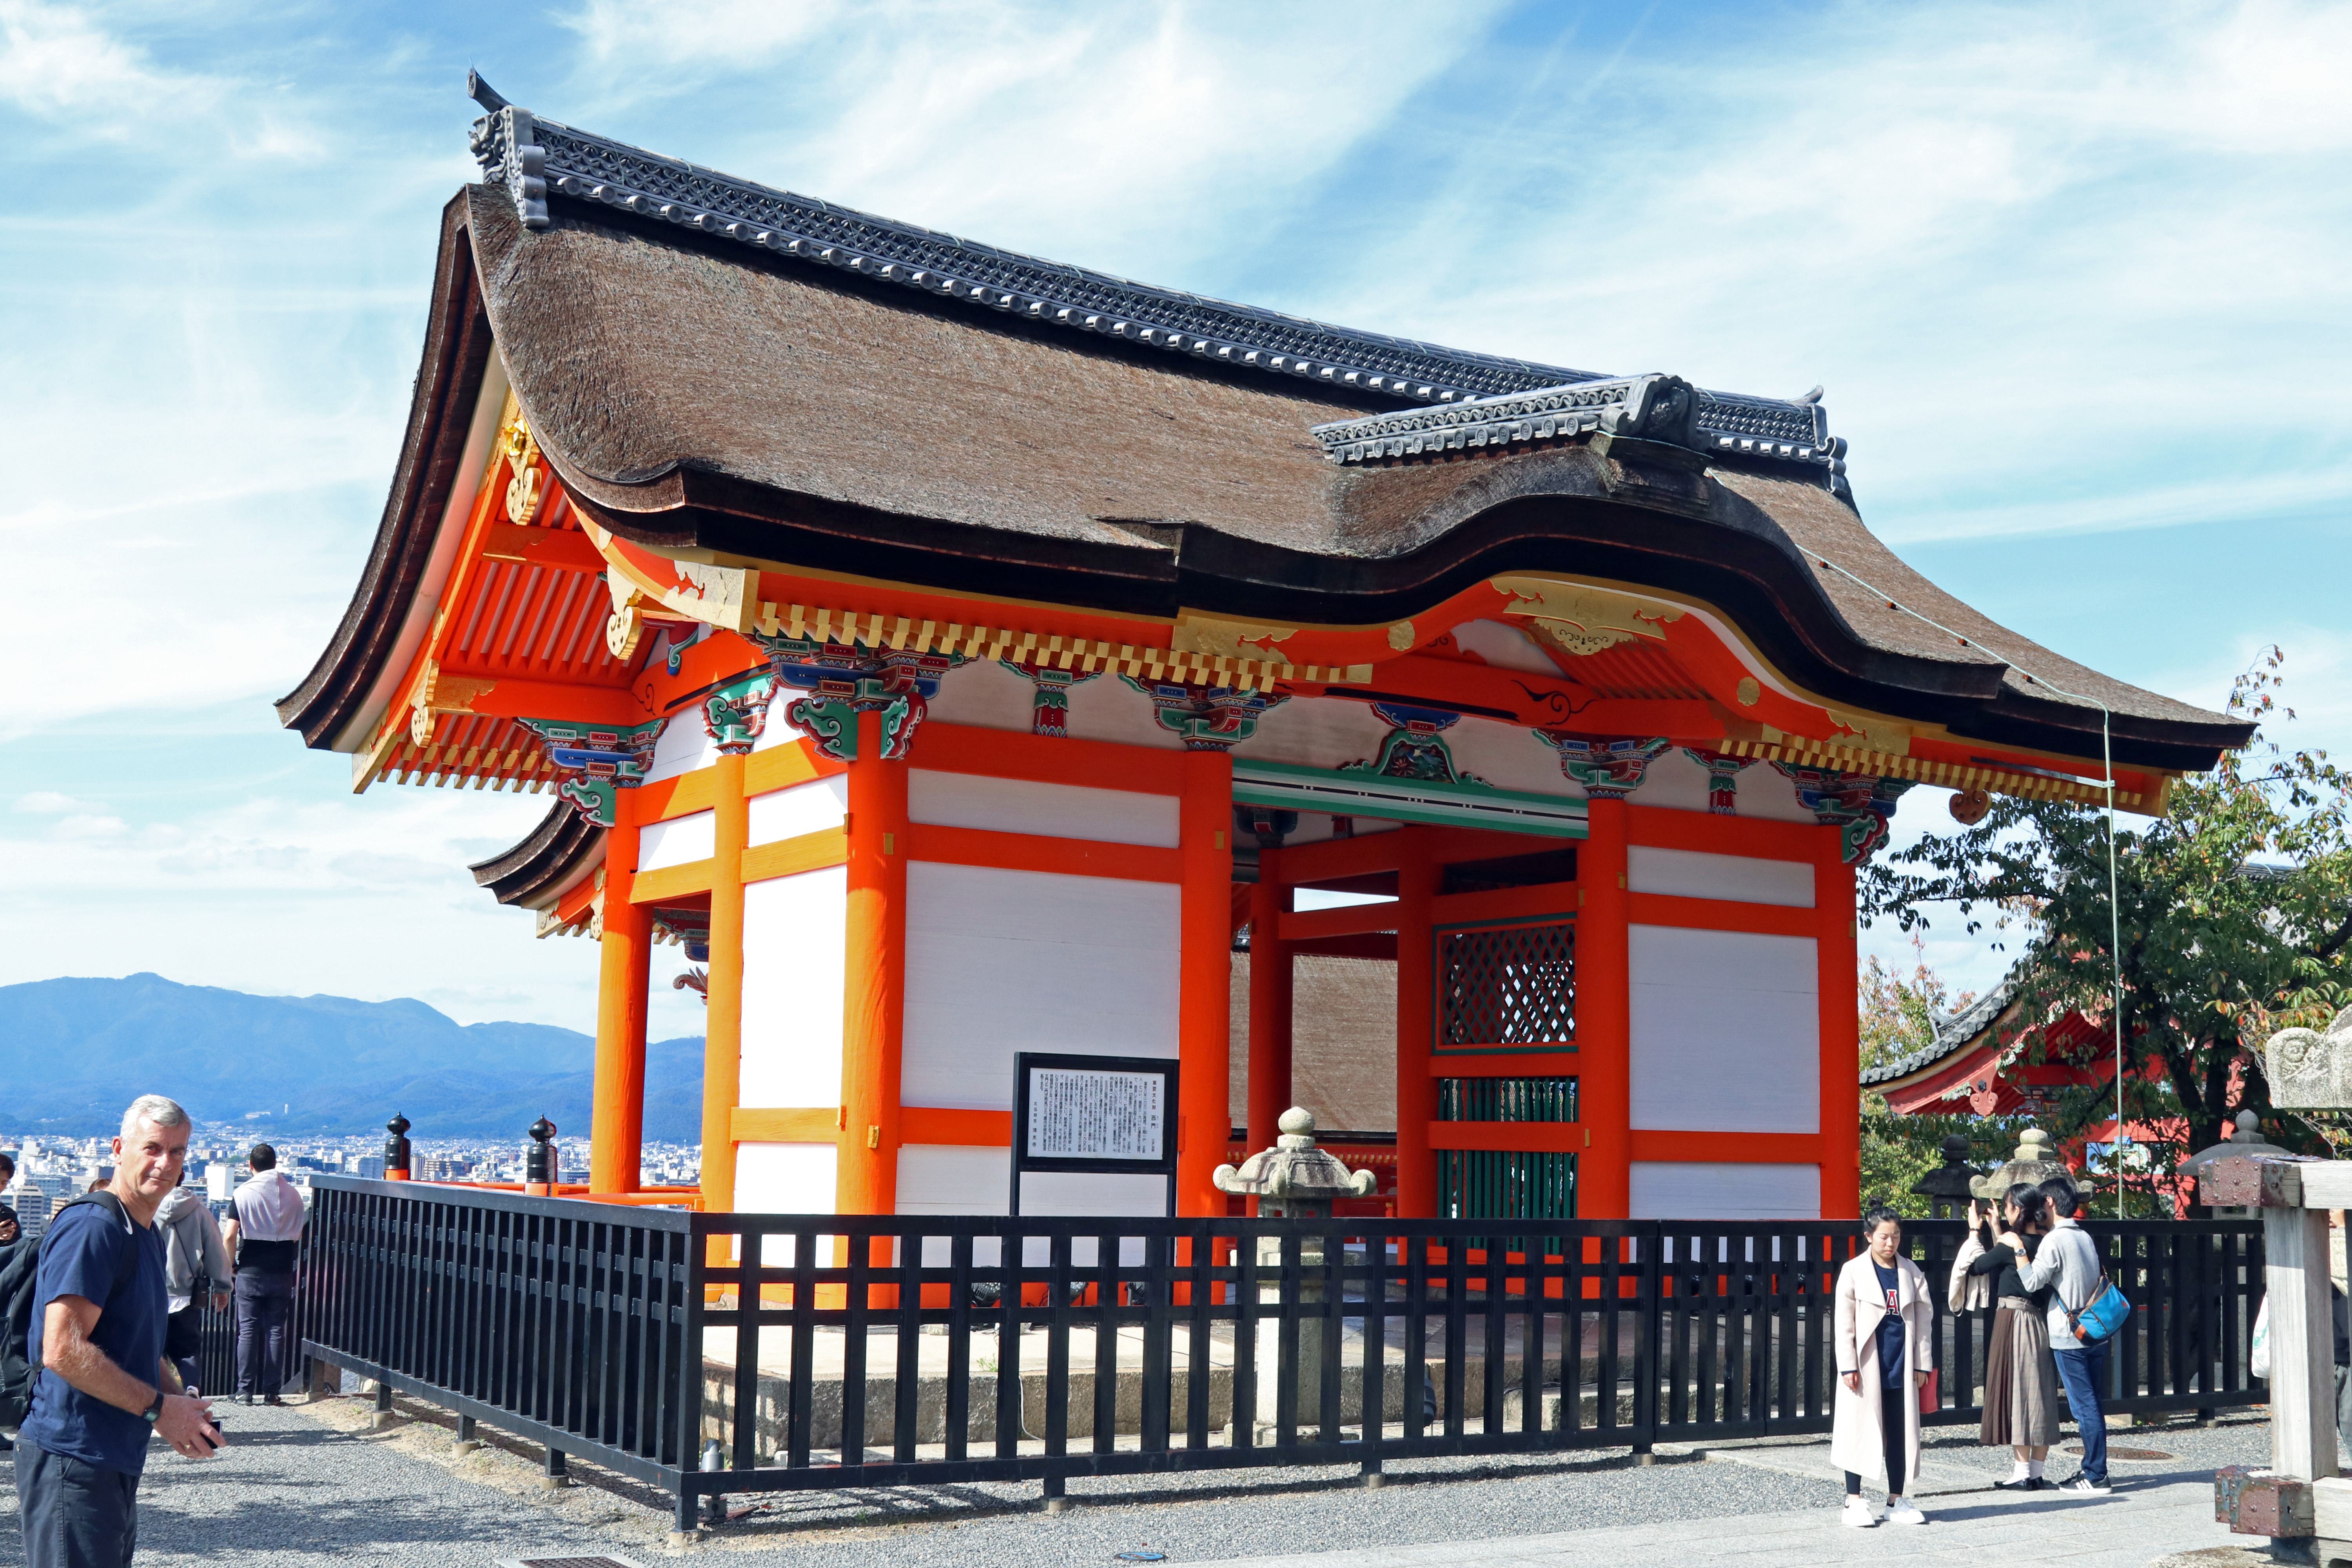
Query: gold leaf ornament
pixel 1215 638
pixel 1584 620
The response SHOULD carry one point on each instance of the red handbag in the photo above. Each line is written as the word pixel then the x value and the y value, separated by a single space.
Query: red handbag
pixel 1931 1394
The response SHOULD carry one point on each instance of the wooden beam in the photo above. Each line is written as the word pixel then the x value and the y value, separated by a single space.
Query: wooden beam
pixel 557 549
pixel 1720 914
pixel 1556 900
pixel 1354 920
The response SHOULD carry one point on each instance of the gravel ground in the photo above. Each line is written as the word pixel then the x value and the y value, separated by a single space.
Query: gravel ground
pixel 307 1485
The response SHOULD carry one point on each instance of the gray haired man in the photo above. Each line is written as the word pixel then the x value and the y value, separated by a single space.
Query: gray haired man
pixel 99 1312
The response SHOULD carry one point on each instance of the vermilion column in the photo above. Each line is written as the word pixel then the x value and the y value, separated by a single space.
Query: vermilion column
pixel 1841 1032
pixel 1418 876
pixel 723 1050
pixel 874 989
pixel 1205 979
pixel 616 1117
pixel 1269 1002
pixel 1604 1018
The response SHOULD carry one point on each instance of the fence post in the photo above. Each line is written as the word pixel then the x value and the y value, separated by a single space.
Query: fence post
pixel 557 1474
pixel 383 1418
pixel 1650 1280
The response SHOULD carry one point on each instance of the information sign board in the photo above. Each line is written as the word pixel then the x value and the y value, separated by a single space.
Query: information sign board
pixel 1092 1113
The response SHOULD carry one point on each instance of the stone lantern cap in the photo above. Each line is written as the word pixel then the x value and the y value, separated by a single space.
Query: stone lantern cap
pixel 1953 1180
pixel 2310 1070
pixel 1294 1169
pixel 2034 1162
pixel 2245 1140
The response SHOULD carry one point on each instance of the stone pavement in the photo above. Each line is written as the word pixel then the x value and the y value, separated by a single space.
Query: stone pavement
pixel 315 1485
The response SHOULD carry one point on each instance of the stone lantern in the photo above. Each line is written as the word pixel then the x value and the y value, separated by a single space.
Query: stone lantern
pixel 1293 1180
pixel 2246 1141
pixel 1949 1186
pixel 2034 1162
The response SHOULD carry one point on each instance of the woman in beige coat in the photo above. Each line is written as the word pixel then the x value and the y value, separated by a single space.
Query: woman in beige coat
pixel 1885 1345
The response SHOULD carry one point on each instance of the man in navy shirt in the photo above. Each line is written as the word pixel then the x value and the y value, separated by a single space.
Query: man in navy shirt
pixel 99 1312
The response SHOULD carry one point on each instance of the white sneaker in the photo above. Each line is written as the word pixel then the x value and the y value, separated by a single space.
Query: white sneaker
pixel 1904 1514
pixel 1858 1514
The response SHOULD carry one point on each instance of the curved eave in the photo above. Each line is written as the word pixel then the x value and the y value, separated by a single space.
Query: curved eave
pixel 561 849
pixel 1665 528
pixel 457 355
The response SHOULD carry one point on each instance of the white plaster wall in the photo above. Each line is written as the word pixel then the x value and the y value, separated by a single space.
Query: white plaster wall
pixel 1504 647
pixel 683 746
pixel 1109 709
pixel 1316 732
pixel 680 841
pixel 783 1178
pixel 799 808
pixel 958 1179
pixel 778 732
pixel 985 695
pixel 1508 756
pixel 1740 879
pixel 1766 791
pixel 1679 1190
pixel 1673 783
pixel 999 962
pixel 1726 1031
pixel 1047 810
pixel 794 931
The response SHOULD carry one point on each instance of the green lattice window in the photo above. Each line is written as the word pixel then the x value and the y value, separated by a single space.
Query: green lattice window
pixel 1512 985
pixel 1507 1100
pixel 1485 1184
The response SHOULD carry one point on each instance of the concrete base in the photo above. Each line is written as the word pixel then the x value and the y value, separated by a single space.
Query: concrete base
pixel 684 1539
pixel 384 1420
pixel 464 1444
pixel 553 1483
pixel 1058 1505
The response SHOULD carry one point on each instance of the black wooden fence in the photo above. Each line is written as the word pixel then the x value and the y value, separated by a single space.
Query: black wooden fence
pixel 737 1353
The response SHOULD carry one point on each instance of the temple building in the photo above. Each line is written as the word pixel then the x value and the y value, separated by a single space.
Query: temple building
pixel 958 652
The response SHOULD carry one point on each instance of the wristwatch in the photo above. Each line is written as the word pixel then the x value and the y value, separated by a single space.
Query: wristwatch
pixel 156 1410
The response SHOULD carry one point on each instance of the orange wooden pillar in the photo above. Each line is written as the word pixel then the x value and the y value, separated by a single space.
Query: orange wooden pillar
pixel 1205 979
pixel 722 1047
pixel 617 1114
pixel 1836 942
pixel 1604 1018
pixel 1269 1002
pixel 874 989
pixel 1418 878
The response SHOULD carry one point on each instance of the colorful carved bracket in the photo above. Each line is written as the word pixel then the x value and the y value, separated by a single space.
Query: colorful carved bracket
pixel 1050 709
pixel 1206 718
pixel 736 714
pixel 1722 779
pixel 597 760
pixel 1609 768
pixel 1414 747
pixel 1859 806
pixel 844 680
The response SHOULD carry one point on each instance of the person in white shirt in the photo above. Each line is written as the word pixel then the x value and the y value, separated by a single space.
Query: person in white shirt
pixel 264 1239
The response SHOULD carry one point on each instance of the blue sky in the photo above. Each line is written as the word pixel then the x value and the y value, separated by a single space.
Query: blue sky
pixel 2073 278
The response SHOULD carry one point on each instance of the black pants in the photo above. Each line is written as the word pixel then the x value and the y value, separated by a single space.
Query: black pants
pixel 265 1310
pixel 76 1514
pixel 183 1341
pixel 1890 1424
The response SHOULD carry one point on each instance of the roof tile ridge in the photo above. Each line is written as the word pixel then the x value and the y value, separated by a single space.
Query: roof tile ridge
pixel 531 157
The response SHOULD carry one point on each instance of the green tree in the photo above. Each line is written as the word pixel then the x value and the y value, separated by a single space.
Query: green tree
pixel 1897 1015
pixel 2234 912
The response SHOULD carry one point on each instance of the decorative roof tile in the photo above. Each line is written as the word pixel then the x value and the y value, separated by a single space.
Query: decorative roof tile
pixel 531 157
pixel 1954 1034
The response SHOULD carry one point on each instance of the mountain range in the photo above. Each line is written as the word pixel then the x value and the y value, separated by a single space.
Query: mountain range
pixel 74 1052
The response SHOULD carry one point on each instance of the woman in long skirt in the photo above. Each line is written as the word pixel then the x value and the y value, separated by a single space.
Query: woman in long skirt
pixel 1885 1345
pixel 2020 1392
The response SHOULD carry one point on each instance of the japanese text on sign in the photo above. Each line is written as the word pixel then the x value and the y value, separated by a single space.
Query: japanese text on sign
pixel 1076 1115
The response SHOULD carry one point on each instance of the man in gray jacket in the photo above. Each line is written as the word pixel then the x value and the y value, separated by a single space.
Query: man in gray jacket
pixel 193 1254
pixel 2071 1259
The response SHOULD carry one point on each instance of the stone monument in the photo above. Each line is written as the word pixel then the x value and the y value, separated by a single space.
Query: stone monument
pixel 1949 1186
pixel 2310 1070
pixel 2246 1141
pixel 1293 1180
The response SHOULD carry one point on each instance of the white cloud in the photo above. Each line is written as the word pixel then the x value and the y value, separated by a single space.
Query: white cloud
pixel 48 802
pixel 56 62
